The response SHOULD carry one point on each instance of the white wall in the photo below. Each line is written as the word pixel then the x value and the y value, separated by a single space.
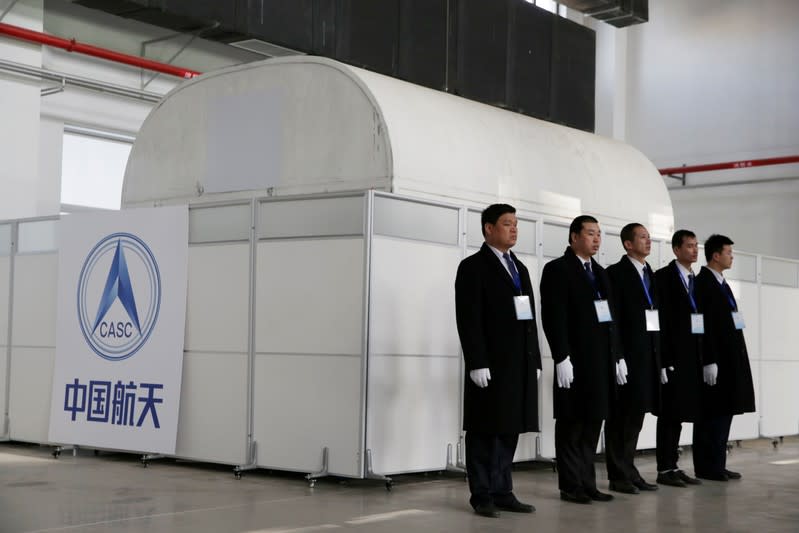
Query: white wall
pixel 714 81
pixel 20 193
pixel 760 218
pixel 30 139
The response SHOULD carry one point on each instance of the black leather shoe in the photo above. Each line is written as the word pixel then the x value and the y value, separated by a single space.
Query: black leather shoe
pixel 600 496
pixel 514 506
pixel 623 486
pixel 670 478
pixel 732 475
pixel 721 476
pixel 641 484
pixel 575 497
pixel 487 509
pixel 688 480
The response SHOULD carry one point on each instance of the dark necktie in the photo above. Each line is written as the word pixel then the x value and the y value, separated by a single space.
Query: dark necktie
pixel 517 281
pixel 730 296
pixel 589 272
pixel 691 279
pixel 591 278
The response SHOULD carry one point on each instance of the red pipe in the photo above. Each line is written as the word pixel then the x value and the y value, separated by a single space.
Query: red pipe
pixel 71 45
pixel 731 164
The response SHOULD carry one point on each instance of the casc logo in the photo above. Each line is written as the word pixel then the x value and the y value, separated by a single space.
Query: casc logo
pixel 119 296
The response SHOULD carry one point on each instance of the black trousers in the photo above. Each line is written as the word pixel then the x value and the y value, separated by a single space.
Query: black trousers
pixel 621 439
pixel 575 449
pixel 668 443
pixel 489 459
pixel 710 444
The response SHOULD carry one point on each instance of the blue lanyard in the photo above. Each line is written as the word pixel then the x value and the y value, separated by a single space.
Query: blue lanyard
pixel 646 291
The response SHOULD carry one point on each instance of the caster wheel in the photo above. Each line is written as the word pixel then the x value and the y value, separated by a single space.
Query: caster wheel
pixel 311 483
pixel 389 485
pixel 237 475
pixel 775 443
pixel 57 453
pixel 144 464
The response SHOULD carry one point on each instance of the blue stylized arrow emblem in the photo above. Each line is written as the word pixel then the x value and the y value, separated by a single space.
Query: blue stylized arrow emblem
pixel 118 285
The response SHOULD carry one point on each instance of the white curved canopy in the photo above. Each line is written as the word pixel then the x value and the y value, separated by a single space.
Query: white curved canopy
pixel 300 125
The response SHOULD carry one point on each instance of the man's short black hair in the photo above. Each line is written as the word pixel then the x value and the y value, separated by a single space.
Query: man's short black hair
pixel 715 244
pixel 628 232
pixel 680 235
pixel 577 224
pixel 492 213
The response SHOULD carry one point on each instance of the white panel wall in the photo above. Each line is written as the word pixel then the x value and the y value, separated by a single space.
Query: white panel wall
pixel 309 364
pixel 312 337
pixel 33 345
pixel 757 217
pixel 213 403
pixel 5 273
pixel 780 361
pixel 747 425
pixel 747 294
pixel 779 398
pixel 527 449
pixel 414 355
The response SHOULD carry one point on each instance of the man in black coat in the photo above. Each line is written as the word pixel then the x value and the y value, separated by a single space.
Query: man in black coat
pixel 576 305
pixel 681 332
pixel 728 388
pixel 496 324
pixel 638 375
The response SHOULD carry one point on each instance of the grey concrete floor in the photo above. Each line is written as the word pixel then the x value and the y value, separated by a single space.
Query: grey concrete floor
pixel 112 492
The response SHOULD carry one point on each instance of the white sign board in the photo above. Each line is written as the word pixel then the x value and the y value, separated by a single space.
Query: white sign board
pixel 121 320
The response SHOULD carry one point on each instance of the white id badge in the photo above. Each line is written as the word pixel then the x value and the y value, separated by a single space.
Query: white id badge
pixel 738 320
pixel 697 323
pixel 602 311
pixel 652 320
pixel 523 309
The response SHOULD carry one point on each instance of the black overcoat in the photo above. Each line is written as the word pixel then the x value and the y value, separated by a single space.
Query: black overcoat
pixel 679 348
pixel 572 329
pixel 639 347
pixel 492 337
pixel 734 392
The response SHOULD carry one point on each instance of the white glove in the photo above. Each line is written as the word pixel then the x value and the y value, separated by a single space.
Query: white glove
pixel 710 373
pixel 621 372
pixel 663 377
pixel 565 372
pixel 538 373
pixel 480 376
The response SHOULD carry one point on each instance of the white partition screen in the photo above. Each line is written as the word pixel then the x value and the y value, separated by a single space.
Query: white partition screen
pixel 33 331
pixel 414 360
pixel 6 231
pixel 308 382
pixel 213 421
